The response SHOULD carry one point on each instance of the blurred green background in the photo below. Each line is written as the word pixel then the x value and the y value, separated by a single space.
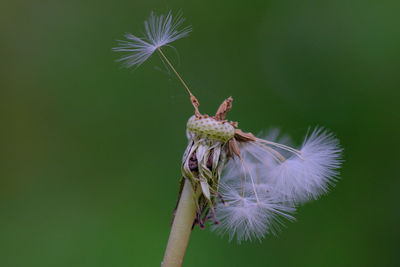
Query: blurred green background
pixel 90 152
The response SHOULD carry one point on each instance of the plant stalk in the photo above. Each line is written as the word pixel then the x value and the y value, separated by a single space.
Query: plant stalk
pixel 181 227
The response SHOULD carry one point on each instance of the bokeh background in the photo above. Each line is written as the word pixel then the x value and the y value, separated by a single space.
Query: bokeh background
pixel 90 152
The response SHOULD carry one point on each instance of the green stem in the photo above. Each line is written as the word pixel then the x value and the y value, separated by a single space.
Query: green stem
pixel 181 227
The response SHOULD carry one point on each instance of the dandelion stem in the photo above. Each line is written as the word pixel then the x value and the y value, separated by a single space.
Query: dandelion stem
pixel 181 227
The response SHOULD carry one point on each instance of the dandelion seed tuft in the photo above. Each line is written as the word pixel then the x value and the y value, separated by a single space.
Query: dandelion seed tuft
pixel 159 31
pixel 301 179
pixel 263 188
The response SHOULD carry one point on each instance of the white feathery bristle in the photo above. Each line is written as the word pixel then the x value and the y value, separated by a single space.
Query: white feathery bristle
pixel 253 207
pixel 242 216
pixel 159 31
pixel 263 187
pixel 249 215
pixel 305 177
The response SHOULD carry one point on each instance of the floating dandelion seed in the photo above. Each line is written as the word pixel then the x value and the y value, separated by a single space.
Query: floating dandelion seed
pixel 160 30
pixel 247 186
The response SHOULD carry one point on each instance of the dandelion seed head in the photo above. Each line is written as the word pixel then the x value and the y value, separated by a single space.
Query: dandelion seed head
pixel 211 128
pixel 259 181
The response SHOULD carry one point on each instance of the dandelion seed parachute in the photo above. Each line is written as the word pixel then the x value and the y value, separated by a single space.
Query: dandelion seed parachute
pixel 249 215
pixel 262 190
pixel 159 31
pixel 302 179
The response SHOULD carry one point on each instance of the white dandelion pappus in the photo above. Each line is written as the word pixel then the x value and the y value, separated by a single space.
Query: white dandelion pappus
pixel 253 207
pixel 263 189
pixel 301 179
pixel 159 31
pixel 248 215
